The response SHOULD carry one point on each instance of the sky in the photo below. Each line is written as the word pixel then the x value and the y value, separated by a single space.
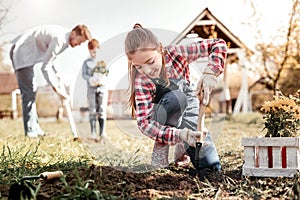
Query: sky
pixel 109 20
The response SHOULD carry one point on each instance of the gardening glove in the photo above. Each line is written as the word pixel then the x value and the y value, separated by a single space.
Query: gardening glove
pixel 189 136
pixel 206 84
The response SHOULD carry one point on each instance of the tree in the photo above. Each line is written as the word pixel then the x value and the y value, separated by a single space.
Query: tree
pixel 3 14
pixel 290 83
pixel 4 9
pixel 279 59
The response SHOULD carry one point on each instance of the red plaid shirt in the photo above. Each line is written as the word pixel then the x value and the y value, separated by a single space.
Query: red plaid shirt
pixel 177 65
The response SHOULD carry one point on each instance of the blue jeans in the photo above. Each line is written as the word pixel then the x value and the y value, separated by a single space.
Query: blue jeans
pixel 180 108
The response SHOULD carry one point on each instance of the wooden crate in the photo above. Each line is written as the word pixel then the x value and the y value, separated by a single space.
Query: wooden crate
pixel 271 157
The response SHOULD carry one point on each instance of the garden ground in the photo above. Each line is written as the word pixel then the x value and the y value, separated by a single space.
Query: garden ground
pixel 119 167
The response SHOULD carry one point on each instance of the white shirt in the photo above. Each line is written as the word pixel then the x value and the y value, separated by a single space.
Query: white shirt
pixel 41 44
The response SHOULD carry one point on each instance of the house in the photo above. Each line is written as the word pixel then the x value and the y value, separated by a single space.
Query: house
pixel 8 95
pixel 48 103
pixel 206 26
pixel 11 103
pixel 8 83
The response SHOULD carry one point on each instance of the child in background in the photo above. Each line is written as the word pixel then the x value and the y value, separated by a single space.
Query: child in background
pixel 162 100
pixel 95 73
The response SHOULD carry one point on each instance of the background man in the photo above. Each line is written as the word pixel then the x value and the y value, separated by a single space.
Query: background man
pixel 42 44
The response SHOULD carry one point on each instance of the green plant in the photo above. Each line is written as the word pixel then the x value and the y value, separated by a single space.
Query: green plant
pixel 282 116
pixel 81 190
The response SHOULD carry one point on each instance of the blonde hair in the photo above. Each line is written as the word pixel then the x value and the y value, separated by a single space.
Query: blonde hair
pixel 140 39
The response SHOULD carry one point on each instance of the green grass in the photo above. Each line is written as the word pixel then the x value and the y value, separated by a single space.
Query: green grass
pixel 125 147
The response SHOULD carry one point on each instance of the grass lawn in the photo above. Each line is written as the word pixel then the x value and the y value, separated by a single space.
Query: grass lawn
pixel 125 148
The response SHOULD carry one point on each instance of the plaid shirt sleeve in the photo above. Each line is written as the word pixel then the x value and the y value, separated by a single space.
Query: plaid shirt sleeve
pixel 214 49
pixel 144 92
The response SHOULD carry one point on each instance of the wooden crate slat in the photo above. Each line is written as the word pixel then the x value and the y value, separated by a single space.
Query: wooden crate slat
pixel 263 157
pixel 269 172
pixel 298 158
pixel 275 141
pixel 292 157
pixel 249 156
pixel 277 161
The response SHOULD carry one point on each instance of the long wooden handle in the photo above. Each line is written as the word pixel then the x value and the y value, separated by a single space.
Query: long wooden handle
pixel 51 175
pixel 201 116
pixel 200 127
pixel 71 119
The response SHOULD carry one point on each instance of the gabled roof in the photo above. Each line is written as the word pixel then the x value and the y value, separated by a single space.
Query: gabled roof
pixel 206 25
pixel 8 83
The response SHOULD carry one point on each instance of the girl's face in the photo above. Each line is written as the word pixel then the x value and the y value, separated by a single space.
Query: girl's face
pixel 148 62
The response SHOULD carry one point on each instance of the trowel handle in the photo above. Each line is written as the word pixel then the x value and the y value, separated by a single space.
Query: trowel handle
pixel 201 115
pixel 200 126
pixel 51 175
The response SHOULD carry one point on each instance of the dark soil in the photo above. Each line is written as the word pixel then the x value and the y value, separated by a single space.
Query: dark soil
pixel 171 183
